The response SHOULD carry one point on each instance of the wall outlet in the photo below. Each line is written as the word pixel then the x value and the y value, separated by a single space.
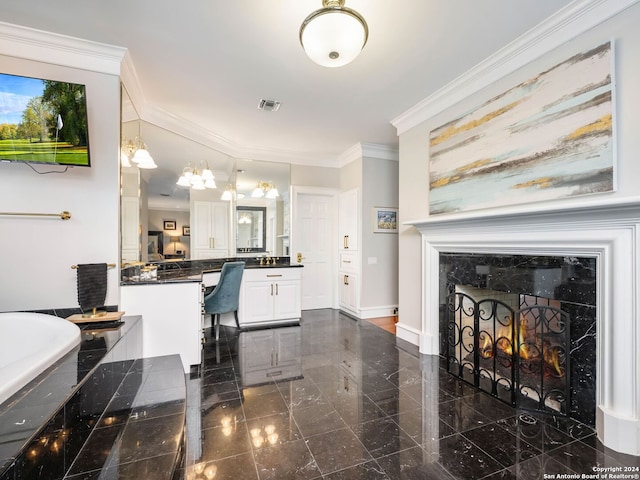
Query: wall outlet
pixel 394 311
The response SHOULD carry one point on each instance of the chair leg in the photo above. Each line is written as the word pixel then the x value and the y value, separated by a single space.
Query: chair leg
pixel 217 320
pixel 235 314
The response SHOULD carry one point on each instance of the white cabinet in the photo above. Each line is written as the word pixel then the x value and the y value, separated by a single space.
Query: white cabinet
pixel 171 318
pixel 348 220
pixel 130 227
pixel 270 295
pixel 350 256
pixel 349 292
pixel 209 229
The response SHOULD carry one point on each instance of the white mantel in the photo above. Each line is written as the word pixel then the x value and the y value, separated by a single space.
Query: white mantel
pixel 606 230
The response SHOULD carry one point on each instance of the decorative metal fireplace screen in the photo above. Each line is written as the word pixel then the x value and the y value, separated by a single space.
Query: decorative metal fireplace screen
pixel 513 346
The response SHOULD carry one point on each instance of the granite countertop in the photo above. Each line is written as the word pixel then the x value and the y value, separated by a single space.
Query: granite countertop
pixel 191 270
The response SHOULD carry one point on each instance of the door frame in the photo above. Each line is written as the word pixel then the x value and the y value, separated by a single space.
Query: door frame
pixel 332 193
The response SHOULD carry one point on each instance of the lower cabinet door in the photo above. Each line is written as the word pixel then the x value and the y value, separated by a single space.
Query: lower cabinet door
pixel 287 300
pixel 257 302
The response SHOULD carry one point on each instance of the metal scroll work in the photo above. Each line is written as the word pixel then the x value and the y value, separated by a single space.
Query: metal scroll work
pixel 513 346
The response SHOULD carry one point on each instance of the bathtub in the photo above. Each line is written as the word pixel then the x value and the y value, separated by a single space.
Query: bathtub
pixel 29 344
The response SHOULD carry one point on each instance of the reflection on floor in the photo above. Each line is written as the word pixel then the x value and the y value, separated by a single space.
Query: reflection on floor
pixel 340 399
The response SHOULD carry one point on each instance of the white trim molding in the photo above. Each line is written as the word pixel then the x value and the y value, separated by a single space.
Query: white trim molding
pixel 40 46
pixel 608 231
pixel 567 23
pixel 376 312
pixel 410 334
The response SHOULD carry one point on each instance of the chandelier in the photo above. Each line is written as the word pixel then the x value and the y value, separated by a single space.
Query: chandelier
pixel 197 178
pixel 265 189
pixel 334 35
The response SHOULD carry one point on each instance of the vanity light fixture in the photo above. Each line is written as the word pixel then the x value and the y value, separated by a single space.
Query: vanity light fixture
pixel 265 189
pixel 197 178
pixel 136 152
pixel 230 193
pixel 334 35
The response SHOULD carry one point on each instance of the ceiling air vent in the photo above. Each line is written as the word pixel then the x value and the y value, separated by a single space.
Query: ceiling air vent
pixel 269 105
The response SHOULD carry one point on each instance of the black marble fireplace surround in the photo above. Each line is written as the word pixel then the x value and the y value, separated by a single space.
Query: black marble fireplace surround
pixel 570 280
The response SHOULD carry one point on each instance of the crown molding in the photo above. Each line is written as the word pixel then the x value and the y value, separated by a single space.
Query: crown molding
pixel 131 82
pixel 53 48
pixel 371 150
pixel 569 22
pixel 382 152
pixel 194 132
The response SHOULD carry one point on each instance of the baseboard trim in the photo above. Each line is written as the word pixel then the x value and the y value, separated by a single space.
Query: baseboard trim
pixel 377 312
pixel 408 333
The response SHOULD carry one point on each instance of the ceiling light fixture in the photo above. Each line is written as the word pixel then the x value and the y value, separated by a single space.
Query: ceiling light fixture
pixel 197 178
pixel 334 35
pixel 265 189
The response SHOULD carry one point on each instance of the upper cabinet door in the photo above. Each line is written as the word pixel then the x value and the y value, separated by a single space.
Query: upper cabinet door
pixel 348 219
pixel 209 229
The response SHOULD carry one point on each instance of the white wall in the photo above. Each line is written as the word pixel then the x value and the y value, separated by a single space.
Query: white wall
pixel 37 253
pixel 308 176
pixel 414 145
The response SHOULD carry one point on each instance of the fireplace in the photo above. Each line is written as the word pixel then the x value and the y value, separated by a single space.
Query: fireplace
pixel 605 235
pixel 523 329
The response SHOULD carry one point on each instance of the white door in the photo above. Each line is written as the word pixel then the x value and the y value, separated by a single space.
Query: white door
pixel 313 238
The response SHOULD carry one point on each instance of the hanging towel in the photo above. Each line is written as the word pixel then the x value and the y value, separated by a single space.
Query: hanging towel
pixel 92 285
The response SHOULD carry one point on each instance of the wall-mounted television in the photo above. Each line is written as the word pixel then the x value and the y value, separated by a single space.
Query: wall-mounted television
pixel 43 121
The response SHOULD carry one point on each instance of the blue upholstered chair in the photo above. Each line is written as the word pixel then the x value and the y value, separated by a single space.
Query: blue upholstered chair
pixel 225 297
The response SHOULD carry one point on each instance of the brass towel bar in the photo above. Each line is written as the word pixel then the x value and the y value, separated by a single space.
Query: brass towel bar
pixel 109 265
pixel 63 215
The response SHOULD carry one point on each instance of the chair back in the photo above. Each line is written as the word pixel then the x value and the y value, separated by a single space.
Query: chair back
pixel 226 296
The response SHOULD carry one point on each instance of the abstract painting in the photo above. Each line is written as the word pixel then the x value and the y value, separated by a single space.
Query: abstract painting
pixel 546 138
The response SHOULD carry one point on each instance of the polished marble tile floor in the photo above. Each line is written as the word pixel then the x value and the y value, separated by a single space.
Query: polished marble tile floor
pixel 336 399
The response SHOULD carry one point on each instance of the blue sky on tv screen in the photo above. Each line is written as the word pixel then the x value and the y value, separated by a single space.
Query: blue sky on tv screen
pixel 15 93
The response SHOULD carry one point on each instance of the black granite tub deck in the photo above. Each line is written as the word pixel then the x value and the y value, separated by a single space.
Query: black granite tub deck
pixel 99 412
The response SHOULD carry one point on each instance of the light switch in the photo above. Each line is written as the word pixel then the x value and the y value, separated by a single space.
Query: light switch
pixel 372 260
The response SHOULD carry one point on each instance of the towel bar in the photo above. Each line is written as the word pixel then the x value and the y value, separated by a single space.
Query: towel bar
pixel 63 215
pixel 109 265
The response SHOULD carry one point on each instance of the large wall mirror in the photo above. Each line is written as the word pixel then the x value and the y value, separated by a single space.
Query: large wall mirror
pixel 193 223
pixel 251 236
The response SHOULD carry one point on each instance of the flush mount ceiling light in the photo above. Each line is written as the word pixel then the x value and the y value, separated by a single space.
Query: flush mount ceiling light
pixel 197 178
pixel 333 35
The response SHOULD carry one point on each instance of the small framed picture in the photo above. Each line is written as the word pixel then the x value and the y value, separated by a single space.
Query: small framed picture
pixel 169 224
pixel 385 220
pixel 186 230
